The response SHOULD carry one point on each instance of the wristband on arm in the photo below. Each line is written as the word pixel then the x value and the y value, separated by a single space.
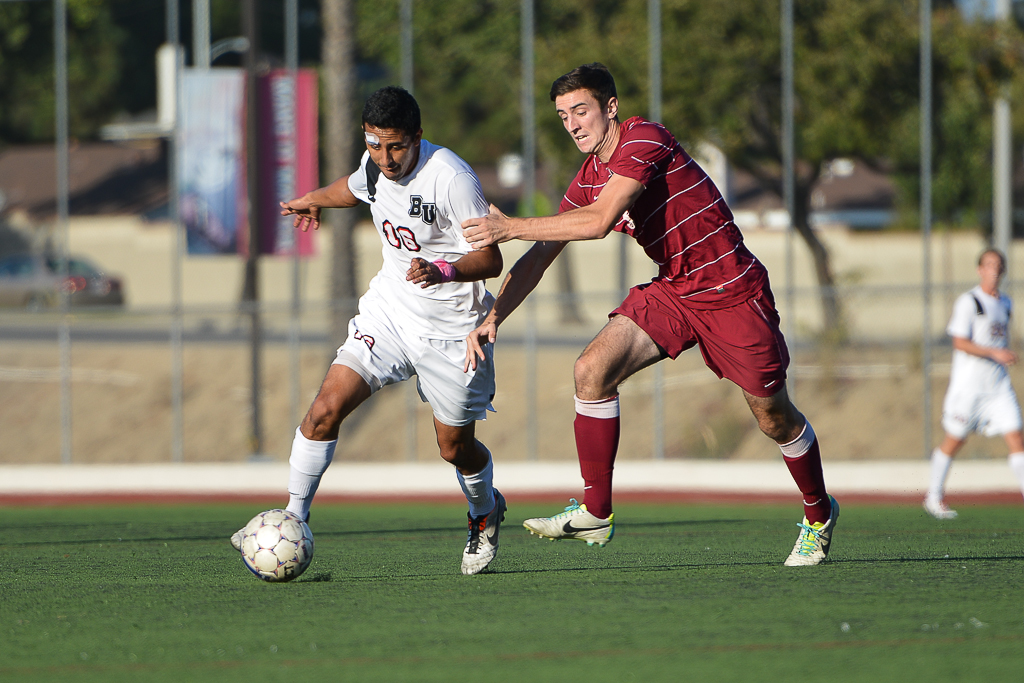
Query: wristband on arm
pixel 447 270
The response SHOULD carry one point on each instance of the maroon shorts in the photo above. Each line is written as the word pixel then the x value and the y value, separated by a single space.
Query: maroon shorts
pixel 742 342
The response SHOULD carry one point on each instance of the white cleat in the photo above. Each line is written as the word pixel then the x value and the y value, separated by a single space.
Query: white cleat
pixel 575 522
pixel 814 541
pixel 482 541
pixel 938 509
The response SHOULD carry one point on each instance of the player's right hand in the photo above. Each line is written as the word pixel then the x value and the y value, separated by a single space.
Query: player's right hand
pixel 1004 356
pixel 475 353
pixel 306 212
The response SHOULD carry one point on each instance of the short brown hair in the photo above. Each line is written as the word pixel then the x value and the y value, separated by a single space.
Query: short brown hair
pixel 1002 259
pixel 594 78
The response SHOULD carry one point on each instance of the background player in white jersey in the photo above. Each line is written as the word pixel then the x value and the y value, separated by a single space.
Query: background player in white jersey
pixel 414 318
pixel 980 397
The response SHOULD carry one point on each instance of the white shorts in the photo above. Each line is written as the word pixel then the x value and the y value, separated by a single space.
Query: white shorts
pixel 382 354
pixel 992 412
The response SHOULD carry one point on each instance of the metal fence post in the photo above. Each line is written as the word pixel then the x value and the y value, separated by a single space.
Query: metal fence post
pixel 654 78
pixel 788 179
pixel 178 249
pixel 926 214
pixel 60 58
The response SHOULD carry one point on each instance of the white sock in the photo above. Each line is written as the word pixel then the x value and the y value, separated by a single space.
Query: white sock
pixel 478 487
pixel 940 468
pixel 309 461
pixel 798 447
pixel 1017 465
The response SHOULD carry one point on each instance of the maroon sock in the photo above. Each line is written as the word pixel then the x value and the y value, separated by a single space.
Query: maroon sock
pixel 806 471
pixel 597 440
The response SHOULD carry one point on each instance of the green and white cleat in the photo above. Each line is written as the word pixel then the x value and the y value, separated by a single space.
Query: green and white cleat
pixel 814 541
pixel 575 522
pixel 482 541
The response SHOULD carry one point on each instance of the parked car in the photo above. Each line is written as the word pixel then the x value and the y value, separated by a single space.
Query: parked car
pixel 34 281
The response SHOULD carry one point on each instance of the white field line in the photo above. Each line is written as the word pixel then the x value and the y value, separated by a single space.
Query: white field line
pixel 902 477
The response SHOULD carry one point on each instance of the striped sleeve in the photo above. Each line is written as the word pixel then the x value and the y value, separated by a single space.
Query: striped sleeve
pixel 643 148
pixel 574 197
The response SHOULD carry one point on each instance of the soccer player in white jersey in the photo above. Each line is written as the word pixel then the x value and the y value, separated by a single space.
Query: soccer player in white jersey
pixel 980 397
pixel 417 312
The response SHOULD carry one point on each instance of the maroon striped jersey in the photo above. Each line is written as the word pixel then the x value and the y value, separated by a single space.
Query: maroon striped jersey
pixel 680 218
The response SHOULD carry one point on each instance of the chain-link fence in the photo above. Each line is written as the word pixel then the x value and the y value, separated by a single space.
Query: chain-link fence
pixel 170 375
pixel 863 391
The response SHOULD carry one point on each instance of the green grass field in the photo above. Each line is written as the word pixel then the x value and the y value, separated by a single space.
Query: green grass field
pixel 684 592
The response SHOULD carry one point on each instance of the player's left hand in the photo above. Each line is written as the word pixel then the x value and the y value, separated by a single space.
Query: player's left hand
pixel 475 342
pixel 494 228
pixel 424 273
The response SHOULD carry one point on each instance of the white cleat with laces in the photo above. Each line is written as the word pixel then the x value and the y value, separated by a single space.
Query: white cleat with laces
pixel 814 541
pixel 482 540
pixel 574 522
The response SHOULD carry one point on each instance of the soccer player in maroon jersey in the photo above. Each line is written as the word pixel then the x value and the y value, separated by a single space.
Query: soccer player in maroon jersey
pixel 710 292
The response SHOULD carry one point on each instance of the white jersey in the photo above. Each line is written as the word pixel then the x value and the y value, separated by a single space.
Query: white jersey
pixel 984 320
pixel 421 216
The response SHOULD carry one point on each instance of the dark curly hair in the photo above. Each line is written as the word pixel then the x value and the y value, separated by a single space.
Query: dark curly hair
pixel 594 78
pixel 392 108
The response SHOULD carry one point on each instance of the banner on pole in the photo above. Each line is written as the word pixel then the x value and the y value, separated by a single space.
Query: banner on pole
pixel 289 165
pixel 211 161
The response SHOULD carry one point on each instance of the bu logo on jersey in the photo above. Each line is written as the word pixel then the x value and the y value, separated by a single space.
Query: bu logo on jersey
pixel 417 207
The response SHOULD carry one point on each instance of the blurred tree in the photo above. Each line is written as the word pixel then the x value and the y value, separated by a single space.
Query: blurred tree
pixel 857 95
pixel 855 76
pixel 27 71
pixel 466 69
pixel 972 61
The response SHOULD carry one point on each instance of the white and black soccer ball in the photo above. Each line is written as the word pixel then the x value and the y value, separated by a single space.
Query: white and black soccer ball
pixel 277 545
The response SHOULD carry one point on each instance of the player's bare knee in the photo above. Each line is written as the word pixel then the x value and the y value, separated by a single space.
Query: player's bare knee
pixel 591 379
pixel 773 426
pixel 322 421
pixel 776 422
pixel 457 453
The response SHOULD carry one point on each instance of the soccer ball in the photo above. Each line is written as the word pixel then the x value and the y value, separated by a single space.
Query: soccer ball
pixel 277 545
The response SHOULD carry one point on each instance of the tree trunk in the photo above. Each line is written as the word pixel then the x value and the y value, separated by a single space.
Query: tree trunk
pixel 340 125
pixel 835 329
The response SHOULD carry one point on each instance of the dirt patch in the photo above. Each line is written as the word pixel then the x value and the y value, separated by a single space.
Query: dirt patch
pixel 864 405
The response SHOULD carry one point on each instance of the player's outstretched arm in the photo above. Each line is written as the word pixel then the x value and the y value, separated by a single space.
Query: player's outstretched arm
pixel 520 281
pixel 1001 356
pixel 590 222
pixel 476 265
pixel 306 208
